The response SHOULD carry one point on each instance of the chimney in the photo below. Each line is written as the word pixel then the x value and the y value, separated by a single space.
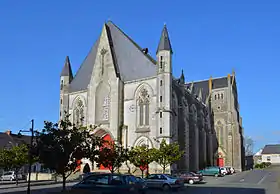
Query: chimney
pixel 8 132
pixel 145 50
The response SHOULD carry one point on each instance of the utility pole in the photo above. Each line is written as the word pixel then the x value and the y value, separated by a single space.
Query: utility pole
pixel 31 130
pixel 30 155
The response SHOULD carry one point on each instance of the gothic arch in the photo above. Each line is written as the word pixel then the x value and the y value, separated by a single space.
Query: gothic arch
pixel 78 110
pixel 101 132
pixel 143 101
pixel 140 87
pixel 221 133
pixel 102 101
pixel 78 97
pixel 142 140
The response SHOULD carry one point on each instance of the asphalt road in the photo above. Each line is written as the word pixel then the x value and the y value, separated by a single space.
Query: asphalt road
pixel 248 182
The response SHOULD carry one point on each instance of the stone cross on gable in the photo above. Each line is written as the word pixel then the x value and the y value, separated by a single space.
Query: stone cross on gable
pixel 103 53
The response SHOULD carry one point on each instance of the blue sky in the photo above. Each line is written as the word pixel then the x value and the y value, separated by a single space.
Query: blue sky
pixel 208 38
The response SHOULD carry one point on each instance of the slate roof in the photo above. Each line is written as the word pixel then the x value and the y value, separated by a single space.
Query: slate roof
pixel 204 86
pixel 7 141
pixel 130 62
pixel 164 42
pixel 271 149
pixel 67 71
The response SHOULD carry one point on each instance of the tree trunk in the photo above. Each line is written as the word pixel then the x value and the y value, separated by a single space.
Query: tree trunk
pixel 63 182
pixel 163 168
pixel 142 173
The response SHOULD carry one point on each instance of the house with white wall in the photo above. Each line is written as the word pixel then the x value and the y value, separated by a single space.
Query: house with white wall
pixel 271 153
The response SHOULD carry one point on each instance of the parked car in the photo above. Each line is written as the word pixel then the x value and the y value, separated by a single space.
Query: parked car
pixel 164 181
pixel 11 176
pixel 224 170
pixel 110 183
pixel 191 177
pixel 232 170
pixel 211 171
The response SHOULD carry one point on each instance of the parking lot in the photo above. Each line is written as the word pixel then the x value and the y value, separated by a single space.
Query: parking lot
pixel 248 182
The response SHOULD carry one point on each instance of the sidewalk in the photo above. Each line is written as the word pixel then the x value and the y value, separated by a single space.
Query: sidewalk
pixel 33 183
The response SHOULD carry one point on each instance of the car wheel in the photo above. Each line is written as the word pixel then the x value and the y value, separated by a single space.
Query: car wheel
pixel 191 181
pixel 166 187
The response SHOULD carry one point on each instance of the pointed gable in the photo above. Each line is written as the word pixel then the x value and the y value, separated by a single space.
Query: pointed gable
pixel 83 76
pixel 131 61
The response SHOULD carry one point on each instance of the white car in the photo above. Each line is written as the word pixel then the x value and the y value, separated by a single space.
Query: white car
pixel 10 176
pixel 223 171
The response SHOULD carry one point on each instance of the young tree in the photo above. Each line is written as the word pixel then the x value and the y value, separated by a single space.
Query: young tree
pixel 141 157
pixel 14 158
pixel 60 146
pixel 249 146
pixel 3 158
pixel 167 154
pixel 112 156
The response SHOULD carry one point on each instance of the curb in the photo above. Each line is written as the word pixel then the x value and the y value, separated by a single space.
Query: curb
pixel 39 183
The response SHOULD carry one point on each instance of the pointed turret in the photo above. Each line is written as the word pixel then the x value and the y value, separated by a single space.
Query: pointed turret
pixel 182 77
pixel 67 70
pixel 164 43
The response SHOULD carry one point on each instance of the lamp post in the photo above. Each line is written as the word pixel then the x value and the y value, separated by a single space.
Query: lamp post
pixel 30 154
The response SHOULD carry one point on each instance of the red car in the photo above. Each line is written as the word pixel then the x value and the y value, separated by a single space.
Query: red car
pixel 191 177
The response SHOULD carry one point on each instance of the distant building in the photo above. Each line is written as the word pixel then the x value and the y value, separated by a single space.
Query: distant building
pixel 271 153
pixel 258 157
pixel 9 140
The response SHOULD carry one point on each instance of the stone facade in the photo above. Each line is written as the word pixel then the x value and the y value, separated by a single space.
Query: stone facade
pixel 136 100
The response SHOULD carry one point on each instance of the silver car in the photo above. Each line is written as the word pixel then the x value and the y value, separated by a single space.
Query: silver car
pixel 164 181
pixel 10 176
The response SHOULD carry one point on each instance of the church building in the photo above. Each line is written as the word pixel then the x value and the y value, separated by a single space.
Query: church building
pixel 135 99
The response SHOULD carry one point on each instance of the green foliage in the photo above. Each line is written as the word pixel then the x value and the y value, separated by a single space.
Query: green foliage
pixel 141 157
pixel 14 158
pixel 3 158
pixel 263 165
pixel 167 154
pixel 60 146
pixel 112 156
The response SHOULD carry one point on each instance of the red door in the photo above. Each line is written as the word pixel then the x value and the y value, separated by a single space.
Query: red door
pixel 220 162
pixel 108 138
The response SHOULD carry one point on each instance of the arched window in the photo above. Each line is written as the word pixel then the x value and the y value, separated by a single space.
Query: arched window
pixel 222 96
pixel 219 96
pixel 78 113
pixel 215 97
pixel 143 103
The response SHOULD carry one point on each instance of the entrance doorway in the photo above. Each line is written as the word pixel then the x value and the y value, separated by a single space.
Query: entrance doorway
pixel 109 140
pixel 220 162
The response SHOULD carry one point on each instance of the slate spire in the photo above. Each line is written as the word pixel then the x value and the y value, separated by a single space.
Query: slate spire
pixel 164 43
pixel 67 70
pixel 182 77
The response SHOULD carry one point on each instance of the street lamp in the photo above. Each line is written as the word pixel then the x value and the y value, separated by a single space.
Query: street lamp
pixel 30 154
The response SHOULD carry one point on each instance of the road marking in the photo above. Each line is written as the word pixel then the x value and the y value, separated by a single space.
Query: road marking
pixel 263 178
pixel 242 180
